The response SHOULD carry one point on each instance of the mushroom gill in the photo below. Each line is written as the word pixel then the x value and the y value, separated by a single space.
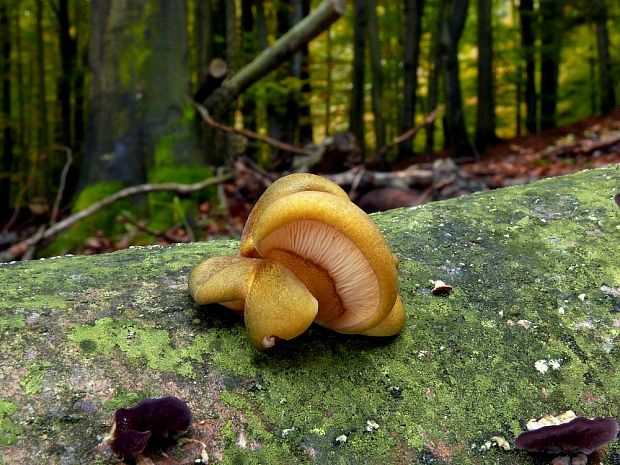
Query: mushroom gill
pixel 334 248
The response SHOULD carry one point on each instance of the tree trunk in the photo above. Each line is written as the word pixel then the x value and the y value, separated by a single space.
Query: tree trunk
pixel 377 72
pixel 138 107
pixel 485 112
pixel 356 110
pixel 68 58
pixel 300 69
pixel 43 181
pixel 6 165
pixel 551 40
pixel 411 58
pixel 232 33
pixel 202 38
pixel 608 96
pixel 528 43
pixel 436 60
pixel 249 50
pixel 282 110
pixel 456 132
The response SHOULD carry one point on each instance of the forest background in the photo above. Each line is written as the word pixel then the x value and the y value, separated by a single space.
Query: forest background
pixel 100 95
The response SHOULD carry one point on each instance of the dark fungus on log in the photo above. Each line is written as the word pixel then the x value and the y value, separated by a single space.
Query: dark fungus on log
pixel 617 199
pixel 580 435
pixel 149 424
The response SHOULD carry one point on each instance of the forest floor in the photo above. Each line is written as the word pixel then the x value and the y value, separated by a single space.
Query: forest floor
pixel 590 143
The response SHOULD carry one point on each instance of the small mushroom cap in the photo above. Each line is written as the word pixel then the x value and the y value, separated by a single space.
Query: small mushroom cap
pixel 280 188
pixel 579 435
pixel 275 304
pixel 337 251
pixel 222 280
pixel 278 305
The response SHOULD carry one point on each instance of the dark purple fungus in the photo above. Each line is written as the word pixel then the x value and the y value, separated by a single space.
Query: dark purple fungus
pixel 579 435
pixel 129 444
pixel 617 199
pixel 151 423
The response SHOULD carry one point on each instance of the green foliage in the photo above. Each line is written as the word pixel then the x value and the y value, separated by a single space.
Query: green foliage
pixel 167 209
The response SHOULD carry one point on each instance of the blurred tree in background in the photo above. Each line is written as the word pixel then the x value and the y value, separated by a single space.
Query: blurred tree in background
pixel 99 95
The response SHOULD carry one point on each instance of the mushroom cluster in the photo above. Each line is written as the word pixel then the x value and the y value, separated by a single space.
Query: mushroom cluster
pixel 307 254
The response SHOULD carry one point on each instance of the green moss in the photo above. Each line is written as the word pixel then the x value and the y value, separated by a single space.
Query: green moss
pixel 153 346
pixel 9 431
pixel 535 277
pixel 33 381
pixel 11 323
pixel 34 302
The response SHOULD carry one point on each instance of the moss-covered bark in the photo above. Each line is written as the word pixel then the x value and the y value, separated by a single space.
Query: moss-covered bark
pixel 536 276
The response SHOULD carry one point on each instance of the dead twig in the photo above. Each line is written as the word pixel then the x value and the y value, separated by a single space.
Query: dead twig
pixel 62 183
pixel 204 114
pixel 407 135
pixel 18 250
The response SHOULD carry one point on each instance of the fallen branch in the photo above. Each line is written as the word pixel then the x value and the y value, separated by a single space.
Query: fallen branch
pixel 362 177
pixel 17 250
pixel 204 114
pixel 269 59
pixel 407 135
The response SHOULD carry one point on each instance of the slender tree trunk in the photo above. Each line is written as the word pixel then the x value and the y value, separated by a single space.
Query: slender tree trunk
pixel 261 26
pixel 6 165
pixel 456 132
pixel 528 43
pixel 232 33
pixel 329 84
pixel 485 112
pixel 202 38
pixel 411 49
pixel 608 96
pixel 43 181
pixel 22 140
pixel 282 111
pixel 68 55
pixel 300 69
pixel 551 40
pixel 377 72
pixel 249 50
pixel 356 110
pixel 436 60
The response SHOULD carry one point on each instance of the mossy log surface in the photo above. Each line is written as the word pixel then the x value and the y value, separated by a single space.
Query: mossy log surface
pixel 536 277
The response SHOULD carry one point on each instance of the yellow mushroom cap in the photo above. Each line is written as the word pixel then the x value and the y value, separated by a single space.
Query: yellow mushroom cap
pixel 278 305
pixel 336 250
pixel 274 303
pixel 286 185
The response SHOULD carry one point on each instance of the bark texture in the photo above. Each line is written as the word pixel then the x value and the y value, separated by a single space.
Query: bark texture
pixel 138 112
pixel 536 284
pixel 411 58
pixel 454 120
